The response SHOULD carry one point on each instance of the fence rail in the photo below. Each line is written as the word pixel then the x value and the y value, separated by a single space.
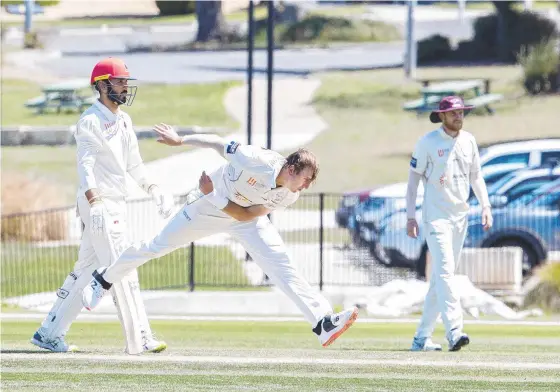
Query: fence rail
pixel 40 248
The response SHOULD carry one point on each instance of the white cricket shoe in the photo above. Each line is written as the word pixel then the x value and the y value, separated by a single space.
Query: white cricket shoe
pixel 56 345
pixel 95 290
pixel 424 344
pixel 458 340
pixel 334 325
pixel 151 345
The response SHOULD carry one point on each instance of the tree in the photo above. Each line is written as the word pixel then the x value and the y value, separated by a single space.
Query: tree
pixel 503 11
pixel 211 22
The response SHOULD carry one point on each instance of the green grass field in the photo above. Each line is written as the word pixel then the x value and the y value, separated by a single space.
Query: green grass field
pixel 181 104
pixel 28 270
pixel 282 356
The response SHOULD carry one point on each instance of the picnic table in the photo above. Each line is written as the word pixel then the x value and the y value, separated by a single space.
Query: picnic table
pixel 65 95
pixel 433 93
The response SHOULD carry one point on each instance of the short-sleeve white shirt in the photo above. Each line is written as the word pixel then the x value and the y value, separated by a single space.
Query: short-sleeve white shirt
pixel 249 177
pixel 445 164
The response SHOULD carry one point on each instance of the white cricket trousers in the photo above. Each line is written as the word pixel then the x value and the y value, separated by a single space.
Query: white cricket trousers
pixel 259 238
pixel 445 240
pixel 96 251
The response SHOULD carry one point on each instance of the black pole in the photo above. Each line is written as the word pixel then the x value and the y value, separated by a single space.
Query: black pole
pixel 191 270
pixel 269 71
pixel 250 49
pixel 321 208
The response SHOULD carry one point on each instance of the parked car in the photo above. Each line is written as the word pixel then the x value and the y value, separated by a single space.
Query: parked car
pixel 369 214
pixel 396 248
pixel 529 153
pixel 347 204
pixel 496 160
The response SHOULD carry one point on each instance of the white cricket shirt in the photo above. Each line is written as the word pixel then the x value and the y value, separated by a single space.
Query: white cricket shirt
pixel 249 177
pixel 445 164
pixel 107 149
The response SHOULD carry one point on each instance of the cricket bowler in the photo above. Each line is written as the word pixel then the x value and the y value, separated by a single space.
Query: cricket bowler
pixel 236 199
pixel 107 150
pixel 448 162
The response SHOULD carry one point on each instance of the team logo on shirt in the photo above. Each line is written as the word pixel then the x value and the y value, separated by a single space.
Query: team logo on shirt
pixel 251 181
pixel 442 180
pixel 441 152
pixel 232 147
pixel 413 162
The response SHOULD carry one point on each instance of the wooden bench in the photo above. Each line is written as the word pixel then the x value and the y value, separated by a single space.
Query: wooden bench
pixel 61 96
pixel 427 82
pixel 485 100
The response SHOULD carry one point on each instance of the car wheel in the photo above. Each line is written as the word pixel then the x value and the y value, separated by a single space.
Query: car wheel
pixel 378 252
pixel 529 260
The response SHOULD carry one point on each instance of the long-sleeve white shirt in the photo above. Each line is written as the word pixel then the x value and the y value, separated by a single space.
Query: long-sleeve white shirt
pixel 107 148
pixel 448 166
pixel 249 177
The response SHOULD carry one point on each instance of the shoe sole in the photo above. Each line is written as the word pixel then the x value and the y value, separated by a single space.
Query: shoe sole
pixel 463 341
pixel 425 350
pixel 158 349
pixel 348 324
pixel 40 344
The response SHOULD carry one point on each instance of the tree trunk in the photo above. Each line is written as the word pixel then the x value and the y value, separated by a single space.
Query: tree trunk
pixel 503 8
pixel 211 21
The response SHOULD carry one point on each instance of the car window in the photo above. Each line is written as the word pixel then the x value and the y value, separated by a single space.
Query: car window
pixel 501 182
pixel 509 158
pixel 526 186
pixel 550 156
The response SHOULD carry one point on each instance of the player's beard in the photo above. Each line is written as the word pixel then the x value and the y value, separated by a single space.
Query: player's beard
pixel 454 126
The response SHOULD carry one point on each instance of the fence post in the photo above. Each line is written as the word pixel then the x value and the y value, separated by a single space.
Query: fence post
pixel 321 208
pixel 191 270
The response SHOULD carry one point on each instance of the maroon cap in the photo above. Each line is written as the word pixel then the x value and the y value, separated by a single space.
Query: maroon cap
pixel 448 104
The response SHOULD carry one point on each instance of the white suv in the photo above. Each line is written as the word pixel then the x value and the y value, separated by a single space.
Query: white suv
pixel 529 153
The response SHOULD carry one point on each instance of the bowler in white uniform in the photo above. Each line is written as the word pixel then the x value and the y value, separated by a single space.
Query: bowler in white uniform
pixel 448 162
pixel 236 199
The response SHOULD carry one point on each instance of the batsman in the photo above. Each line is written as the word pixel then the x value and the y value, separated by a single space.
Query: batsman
pixel 107 152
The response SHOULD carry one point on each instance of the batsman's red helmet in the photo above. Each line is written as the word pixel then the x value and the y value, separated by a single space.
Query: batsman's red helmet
pixel 110 68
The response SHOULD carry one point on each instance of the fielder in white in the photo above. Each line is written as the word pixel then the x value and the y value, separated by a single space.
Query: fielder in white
pixel 253 183
pixel 107 150
pixel 448 163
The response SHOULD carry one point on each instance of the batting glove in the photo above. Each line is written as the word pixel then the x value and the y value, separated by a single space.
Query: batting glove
pixel 97 213
pixel 164 201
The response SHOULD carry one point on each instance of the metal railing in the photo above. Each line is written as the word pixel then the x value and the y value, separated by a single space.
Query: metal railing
pixel 324 241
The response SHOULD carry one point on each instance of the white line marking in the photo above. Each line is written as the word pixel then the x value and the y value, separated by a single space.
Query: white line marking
pixel 413 361
pixel 272 319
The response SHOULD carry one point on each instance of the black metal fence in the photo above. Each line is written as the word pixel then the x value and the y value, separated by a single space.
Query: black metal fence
pixel 329 242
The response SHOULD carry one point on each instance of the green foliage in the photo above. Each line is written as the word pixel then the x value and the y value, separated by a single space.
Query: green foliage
pixel 541 59
pixel 433 49
pixel 169 8
pixel 523 29
pixel 546 294
pixel 327 29
pixel 541 65
pixel 551 274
